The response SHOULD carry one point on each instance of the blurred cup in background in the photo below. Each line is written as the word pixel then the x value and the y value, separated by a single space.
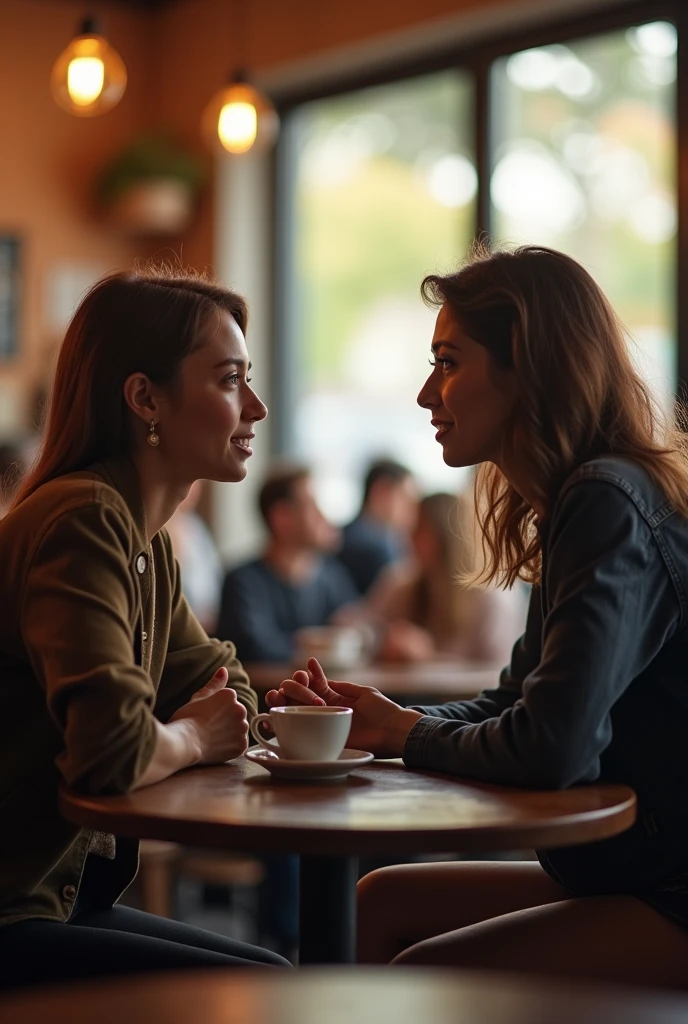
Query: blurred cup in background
pixel 337 648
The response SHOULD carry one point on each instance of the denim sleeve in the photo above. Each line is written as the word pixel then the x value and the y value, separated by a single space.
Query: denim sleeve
pixel 611 607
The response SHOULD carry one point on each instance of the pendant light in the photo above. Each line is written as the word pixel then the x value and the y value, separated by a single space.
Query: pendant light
pixel 89 77
pixel 240 118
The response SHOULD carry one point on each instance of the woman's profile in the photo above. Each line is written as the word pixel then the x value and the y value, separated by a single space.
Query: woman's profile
pixel 584 494
pixel 107 680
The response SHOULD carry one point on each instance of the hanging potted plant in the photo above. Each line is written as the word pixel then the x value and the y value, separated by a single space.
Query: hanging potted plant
pixel 151 186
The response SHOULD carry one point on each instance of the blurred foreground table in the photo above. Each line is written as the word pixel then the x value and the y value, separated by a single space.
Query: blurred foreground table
pixel 382 808
pixel 431 682
pixel 364 996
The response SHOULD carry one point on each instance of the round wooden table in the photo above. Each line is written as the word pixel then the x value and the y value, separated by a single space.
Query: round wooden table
pixel 383 808
pixel 316 996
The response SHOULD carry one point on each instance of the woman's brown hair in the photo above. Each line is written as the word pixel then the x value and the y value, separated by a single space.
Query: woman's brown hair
pixel 539 312
pixel 142 321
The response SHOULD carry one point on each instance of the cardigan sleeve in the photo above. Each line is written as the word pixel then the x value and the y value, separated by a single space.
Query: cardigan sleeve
pixel 75 618
pixel 192 657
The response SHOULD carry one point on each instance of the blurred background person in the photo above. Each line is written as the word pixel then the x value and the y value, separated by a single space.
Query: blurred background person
pixel 379 534
pixel 198 557
pixel 296 582
pixel 424 609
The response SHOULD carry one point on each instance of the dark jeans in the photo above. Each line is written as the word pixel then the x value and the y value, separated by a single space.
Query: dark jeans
pixel 99 941
pixel 116 941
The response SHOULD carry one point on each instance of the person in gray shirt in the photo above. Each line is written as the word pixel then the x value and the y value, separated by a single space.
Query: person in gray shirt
pixel 584 494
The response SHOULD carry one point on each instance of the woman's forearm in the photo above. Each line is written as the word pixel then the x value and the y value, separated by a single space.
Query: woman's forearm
pixel 177 746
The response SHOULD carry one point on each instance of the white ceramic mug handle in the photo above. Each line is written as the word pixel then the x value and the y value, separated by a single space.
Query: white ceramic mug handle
pixel 266 744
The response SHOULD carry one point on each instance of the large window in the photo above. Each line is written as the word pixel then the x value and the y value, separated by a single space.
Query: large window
pixel 581 150
pixel 583 160
pixel 384 193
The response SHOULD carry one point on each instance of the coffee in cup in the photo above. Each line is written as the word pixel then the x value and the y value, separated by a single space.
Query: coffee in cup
pixel 306 733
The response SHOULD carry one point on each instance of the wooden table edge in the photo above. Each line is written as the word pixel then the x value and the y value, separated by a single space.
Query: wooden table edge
pixel 600 824
pixel 462 995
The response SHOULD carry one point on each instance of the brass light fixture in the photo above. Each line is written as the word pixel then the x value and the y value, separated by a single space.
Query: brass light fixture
pixel 239 118
pixel 89 77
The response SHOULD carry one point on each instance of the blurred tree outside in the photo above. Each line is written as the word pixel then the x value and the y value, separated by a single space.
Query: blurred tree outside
pixel 583 154
pixel 584 161
pixel 385 193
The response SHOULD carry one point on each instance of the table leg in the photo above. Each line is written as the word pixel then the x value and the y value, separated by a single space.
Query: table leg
pixel 327 910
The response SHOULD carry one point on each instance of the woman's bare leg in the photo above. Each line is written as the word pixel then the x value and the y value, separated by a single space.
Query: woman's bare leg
pixel 402 905
pixel 604 938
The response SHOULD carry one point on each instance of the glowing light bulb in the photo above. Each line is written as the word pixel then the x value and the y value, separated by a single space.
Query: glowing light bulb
pixel 85 79
pixel 239 118
pixel 89 77
pixel 237 126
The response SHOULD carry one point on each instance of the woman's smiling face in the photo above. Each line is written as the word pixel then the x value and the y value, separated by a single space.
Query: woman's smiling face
pixel 207 420
pixel 471 397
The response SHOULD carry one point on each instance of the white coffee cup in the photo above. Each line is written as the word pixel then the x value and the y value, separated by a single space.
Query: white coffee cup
pixel 306 733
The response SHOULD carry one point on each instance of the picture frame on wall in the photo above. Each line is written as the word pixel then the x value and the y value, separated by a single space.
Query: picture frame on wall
pixel 9 296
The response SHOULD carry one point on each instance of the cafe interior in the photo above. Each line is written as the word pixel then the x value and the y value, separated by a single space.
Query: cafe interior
pixel 321 161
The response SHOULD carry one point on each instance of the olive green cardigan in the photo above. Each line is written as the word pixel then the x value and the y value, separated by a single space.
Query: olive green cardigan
pixel 95 639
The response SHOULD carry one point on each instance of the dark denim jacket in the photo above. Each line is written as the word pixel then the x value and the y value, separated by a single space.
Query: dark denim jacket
pixel 597 688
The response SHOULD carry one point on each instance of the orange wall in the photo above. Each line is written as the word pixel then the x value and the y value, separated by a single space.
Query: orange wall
pixel 48 158
pixel 176 58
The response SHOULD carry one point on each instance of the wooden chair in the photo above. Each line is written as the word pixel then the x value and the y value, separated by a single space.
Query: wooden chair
pixel 161 864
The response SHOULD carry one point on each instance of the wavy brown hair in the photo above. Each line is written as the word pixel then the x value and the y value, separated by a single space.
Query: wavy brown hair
pixel 141 321
pixel 540 313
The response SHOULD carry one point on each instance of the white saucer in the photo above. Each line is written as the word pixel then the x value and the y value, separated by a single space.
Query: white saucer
pixel 284 768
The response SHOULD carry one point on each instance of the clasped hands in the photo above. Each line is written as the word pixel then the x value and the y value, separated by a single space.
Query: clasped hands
pixel 378 724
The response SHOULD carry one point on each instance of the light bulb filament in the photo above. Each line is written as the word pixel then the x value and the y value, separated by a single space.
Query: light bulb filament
pixel 85 79
pixel 238 126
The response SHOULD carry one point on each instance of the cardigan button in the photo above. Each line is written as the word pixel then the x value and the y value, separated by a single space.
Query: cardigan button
pixel 69 892
pixel 141 564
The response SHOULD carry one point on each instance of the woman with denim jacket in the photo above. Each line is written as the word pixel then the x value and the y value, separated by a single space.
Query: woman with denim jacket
pixel 108 682
pixel 584 494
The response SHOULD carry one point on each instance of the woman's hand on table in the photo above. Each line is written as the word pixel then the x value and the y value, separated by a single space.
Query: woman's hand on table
pixel 378 724
pixel 218 719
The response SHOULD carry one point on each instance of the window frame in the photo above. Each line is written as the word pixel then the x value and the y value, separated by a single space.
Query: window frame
pixel 477 59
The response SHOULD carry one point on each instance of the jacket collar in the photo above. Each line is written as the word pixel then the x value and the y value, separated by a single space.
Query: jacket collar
pixel 121 473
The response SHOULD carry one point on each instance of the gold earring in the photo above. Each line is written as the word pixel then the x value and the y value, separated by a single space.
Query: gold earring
pixel 153 437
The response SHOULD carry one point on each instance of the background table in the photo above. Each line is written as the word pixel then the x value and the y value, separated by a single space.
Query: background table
pixel 432 682
pixel 382 808
pixel 314 996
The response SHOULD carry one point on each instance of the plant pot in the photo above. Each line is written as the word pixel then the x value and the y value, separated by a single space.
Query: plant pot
pixel 159 206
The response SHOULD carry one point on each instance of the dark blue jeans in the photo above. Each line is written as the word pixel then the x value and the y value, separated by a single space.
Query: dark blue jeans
pixel 115 941
pixel 99 941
